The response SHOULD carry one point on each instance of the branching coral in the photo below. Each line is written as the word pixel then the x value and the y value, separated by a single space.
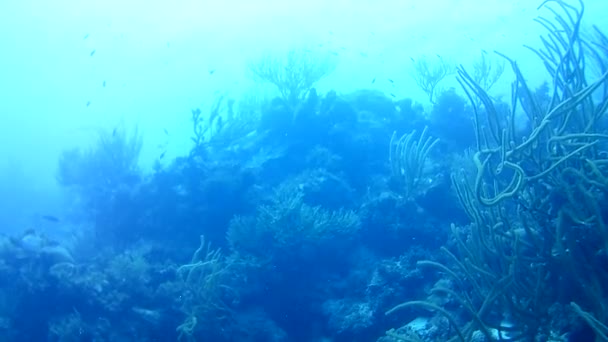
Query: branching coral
pixel 428 74
pixel 112 160
pixel 408 158
pixel 203 284
pixel 224 124
pixel 288 228
pixel 487 71
pixel 538 227
pixel 101 179
pixel 294 74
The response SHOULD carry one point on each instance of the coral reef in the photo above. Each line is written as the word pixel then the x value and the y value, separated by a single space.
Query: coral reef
pixel 312 215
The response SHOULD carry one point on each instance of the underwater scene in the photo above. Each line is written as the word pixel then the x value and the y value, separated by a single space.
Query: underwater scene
pixel 278 171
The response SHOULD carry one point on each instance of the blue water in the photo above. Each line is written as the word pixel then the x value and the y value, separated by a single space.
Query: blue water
pixel 272 171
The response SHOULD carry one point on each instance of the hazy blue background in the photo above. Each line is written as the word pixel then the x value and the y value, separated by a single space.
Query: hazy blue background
pixel 155 56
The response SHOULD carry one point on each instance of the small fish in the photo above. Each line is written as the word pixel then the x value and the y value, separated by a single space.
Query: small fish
pixel 393 95
pixel 103 84
pixel 114 131
pixel 50 218
pixel 92 52
pixel 373 80
pixel 212 71
pixel 88 103
pixel 85 36
pixel 391 80
pixel 334 53
pixel 162 155
pixel 363 54
pixel 166 132
pixel 412 59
